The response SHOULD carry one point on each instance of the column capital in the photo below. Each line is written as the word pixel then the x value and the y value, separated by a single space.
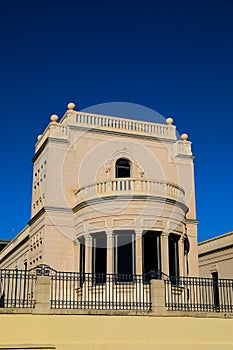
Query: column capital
pixel 88 240
pixel 181 240
pixel 109 233
pixel 138 232
pixel 165 234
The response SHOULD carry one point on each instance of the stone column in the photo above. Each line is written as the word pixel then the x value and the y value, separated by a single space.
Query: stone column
pixel 110 295
pixel 181 256
pixel 165 253
pixel 138 252
pixel 110 252
pixel 43 284
pixel 76 256
pixel 88 254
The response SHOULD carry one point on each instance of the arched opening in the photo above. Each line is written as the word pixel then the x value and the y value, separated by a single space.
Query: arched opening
pixel 123 168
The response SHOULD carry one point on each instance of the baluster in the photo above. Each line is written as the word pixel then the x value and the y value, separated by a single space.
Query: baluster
pixel 132 185
pixel 121 185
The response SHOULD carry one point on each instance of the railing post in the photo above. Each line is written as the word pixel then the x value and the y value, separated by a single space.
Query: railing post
pixel 158 297
pixel 43 288
pixel 42 294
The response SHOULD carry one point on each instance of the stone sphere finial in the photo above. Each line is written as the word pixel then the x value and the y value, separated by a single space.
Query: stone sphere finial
pixel 169 121
pixel 71 106
pixel 39 137
pixel 184 137
pixel 54 118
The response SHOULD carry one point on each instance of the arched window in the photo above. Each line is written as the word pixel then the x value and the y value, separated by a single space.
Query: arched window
pixel 123 168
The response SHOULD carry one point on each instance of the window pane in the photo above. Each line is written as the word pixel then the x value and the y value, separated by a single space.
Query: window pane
pixel 151 254
pixel 173 255
pixel 122 168
pixel 124 253
pixel 99 258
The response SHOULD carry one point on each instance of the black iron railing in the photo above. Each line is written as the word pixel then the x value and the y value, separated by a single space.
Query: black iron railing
pixel 17 288
pixel 73 290
pixel 198 294
pixel 99 291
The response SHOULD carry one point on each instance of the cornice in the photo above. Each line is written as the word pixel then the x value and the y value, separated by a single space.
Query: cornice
pixel 130 197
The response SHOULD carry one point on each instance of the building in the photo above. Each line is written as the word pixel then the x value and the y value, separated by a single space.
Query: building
pixel 215 256
pixel 112 233
pixel 110 195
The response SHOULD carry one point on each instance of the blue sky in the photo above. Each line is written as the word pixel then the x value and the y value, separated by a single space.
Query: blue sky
pixel 174 57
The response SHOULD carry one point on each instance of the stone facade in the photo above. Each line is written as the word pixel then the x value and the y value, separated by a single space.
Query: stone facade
pixel 215 256
pixel 101 183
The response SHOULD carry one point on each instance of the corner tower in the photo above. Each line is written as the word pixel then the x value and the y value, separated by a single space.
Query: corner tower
pixel 113 195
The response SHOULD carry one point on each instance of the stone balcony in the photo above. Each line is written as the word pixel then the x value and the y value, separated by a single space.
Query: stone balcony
pixel 131 188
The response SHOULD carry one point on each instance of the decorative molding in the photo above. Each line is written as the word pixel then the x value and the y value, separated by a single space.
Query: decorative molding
pixel 120 197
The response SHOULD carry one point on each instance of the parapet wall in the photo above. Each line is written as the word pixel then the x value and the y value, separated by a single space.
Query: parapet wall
pixel 72 332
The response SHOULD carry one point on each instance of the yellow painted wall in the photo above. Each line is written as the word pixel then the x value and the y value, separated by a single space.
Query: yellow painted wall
pixel 73 332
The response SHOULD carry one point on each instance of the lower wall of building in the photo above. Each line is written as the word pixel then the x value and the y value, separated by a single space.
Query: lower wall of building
pixel 72 332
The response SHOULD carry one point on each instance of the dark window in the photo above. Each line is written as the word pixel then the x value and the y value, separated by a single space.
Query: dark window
pixel 82 262
pixel 123 168
pixel 151 255
pixel 99 260
pixel 215 290
pixel 124 255
pixel 173 255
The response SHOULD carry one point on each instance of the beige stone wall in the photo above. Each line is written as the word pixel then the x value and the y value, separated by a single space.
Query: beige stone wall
pixel 71 332
pixel 216 255
pixel 16 253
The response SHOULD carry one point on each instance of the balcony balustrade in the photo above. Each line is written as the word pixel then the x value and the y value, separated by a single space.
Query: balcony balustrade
pixel 123 125
pixel 108 124
pixel 131 187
